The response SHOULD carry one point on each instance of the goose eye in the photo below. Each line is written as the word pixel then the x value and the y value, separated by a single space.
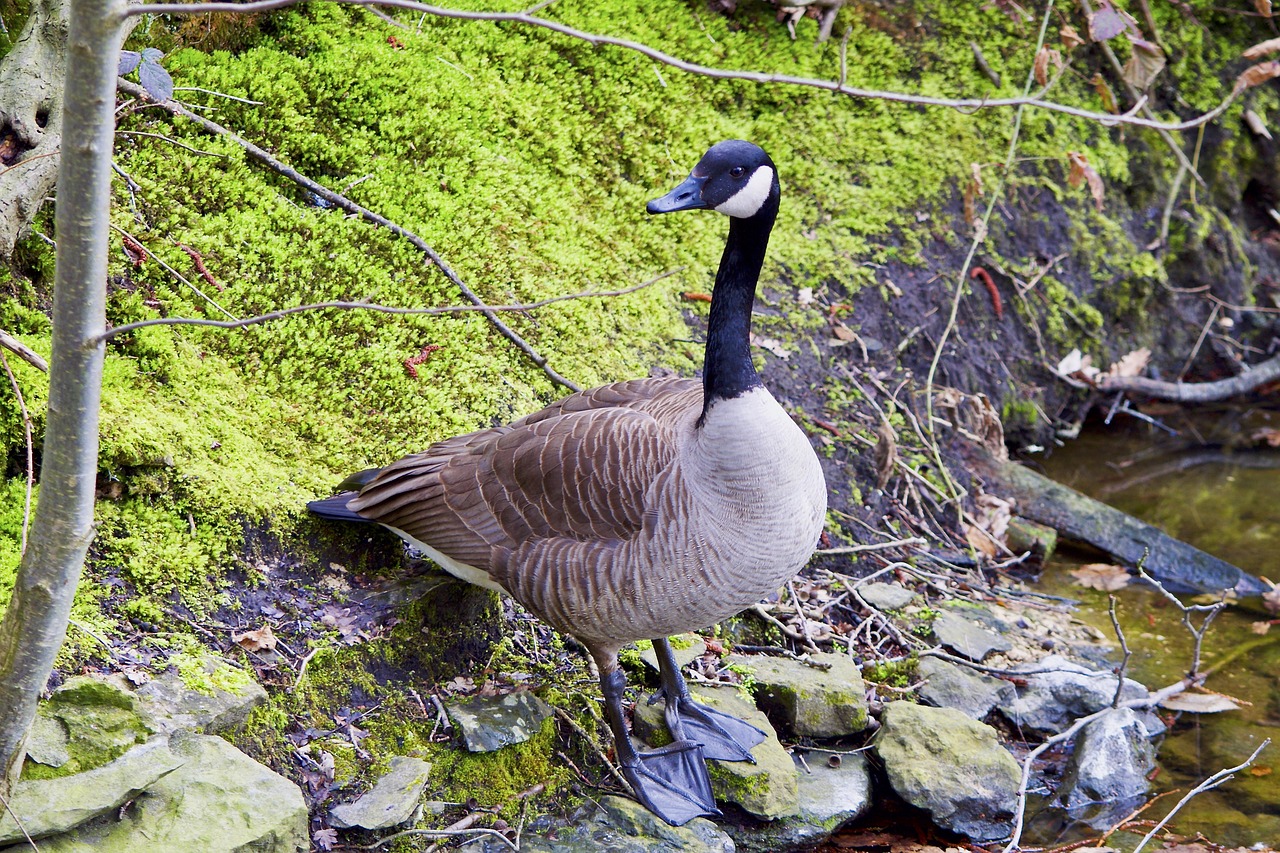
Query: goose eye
pixel 737 172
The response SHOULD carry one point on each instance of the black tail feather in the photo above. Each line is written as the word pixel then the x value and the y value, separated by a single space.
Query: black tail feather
pixel 335 508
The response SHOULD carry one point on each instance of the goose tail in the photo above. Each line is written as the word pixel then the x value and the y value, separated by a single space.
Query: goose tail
pixel 335 508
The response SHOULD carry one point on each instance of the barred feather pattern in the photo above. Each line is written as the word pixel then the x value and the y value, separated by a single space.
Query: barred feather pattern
pixel 612 514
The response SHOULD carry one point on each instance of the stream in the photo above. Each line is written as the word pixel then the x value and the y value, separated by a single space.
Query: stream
pixel 1226 503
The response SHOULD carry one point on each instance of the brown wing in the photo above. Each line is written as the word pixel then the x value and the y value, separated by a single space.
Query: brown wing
pixel 578 470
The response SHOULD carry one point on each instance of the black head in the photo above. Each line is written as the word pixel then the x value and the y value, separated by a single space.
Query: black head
pixel 735 178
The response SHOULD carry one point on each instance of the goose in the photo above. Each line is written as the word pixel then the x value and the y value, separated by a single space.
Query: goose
pixel 636 510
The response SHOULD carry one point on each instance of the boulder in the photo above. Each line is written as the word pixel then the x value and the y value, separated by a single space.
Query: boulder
pixel 1064 691
pixel 767 789
pixel 828 699
pixel 1110 765
pixel 947 685
pixel 100 718
pixel 218 801
pixel 391 801
pixel 940 760
pixel 488 723
pixel 832 793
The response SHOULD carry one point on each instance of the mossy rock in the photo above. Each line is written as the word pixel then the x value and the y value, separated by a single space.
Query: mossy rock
pixel 101 720
pixel 825 699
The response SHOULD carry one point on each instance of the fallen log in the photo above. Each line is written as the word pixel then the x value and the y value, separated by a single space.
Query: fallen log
pixel 1119 534
pixel 1196 392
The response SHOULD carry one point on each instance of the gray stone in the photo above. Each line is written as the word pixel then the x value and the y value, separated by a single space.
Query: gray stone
pixel 218 801
pixel 224 703
pixel 964 637
pixel 1111 761
pixel 828 700
pixel 100 717
pixel 886 596
pixel 618 825
pixel 686 647
pixel 767 789
pixel 830 797
pixel 391 801
pixel 492 722
pixel 940 760
pixel 51 806
pixel 947 685
pixel 1051 700
pixel 47 741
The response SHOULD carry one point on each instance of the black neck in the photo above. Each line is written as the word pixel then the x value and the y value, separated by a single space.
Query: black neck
pixel 728 371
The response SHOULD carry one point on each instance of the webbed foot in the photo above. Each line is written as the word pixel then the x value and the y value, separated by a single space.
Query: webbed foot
pixel 672 782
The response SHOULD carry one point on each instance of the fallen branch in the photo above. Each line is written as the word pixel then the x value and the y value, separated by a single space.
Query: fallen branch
pixel 1196 392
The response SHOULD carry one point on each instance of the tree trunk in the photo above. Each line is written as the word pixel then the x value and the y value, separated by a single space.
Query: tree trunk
pixel 36 622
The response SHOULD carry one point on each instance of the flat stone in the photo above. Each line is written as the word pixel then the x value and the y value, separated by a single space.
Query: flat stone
pixel 1050 700
pixel 966 638
pixel 169 704
pixel 686 647
pixel 492 722
pixel 218 801
pixel 391 801
pixel 1110 763
pixel 100 717
pixel 51 806
pixel 47 741
pixel 767 789
pixel 940 760
pixel 827 700
pixel 887 596
pixel 947 685
pixel 618 825
pixel 830 797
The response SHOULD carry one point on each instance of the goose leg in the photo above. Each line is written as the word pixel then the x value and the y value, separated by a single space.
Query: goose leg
pixel 672 781
pixel 723 737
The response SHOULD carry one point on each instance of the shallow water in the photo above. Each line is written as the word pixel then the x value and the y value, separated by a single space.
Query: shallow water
pixel 1228 504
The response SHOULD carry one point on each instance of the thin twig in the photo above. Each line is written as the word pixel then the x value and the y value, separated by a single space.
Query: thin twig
pixel 878 546
pixel 1124 648
pixel 595 747
pixel 369 306
pixel 18 821
pixel 171 271
pixel 963 104
pixel 23 352
pixel 26 430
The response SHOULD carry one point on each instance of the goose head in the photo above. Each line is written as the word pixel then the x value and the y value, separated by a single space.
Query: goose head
pixel 734 177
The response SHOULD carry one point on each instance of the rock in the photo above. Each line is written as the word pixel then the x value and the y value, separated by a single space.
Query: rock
pixel 830 797
pixel 1110 765
pixel 1023 535
pixel 492 722
pixel 101 720
pixel 966 638
pixel 218 801
pixel 825 701
pixel 886 596
pixel 47 741
pixel 943 761
pixel 1051 700
pixel 391 801
pixel 221 703
pixel 51 806
pixel 767 789
pixel 947 685
pixel 686 647
pixel 618 825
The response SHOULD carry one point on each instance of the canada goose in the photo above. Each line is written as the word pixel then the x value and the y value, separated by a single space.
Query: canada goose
pixel 635 510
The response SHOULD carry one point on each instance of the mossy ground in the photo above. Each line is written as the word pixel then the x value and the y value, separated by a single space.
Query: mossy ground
pixel 525 159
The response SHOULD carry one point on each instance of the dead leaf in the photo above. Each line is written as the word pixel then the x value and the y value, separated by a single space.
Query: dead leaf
pixel 1070 37
pixel 772 345
pixel 843 332
pixel 1103 576
pixel 1263 7
pixel 1104 91
pixel 1144 65
pixel 1255 75
pixel 256 641
pixel 1269 435
pixel 1132 364
pixel 1260 628
pixel 980 540
pixel 976 170
pixel 805 296
pixel 1076 364
pixel 1262 48
pixel 1082 172
pixel 994 514
pixel 1106 23
pixel 1044 57
pixel 693 296
pixel 886 453
pixel 1199 703
pixel 325 838
pixel 1260 771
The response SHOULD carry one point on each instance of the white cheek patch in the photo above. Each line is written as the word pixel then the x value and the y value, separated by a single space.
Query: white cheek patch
pixel 747 201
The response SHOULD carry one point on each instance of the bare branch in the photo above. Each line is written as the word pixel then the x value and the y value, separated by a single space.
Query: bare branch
pixel 31 465
pixel 838 86
pixel 1196 392
pixel 23 351
pixel 370 306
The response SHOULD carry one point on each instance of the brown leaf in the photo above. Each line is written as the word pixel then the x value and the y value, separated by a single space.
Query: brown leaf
pixel 1132 364
pixel 886 453
pixel 256 641
pixel 1144 65
pixel 1260 771
pixel 1045 56
pixel 1263 7
pixel 1070 38
pixel 694 296
pixel 843 332
pixel 1199 703
pixel 1262 48
pixel 1260 628
pixel 1103 576
pixel 1104 91
pixel 1255 75
pixel 1106 23
pixel 980 541
pixel 1082 172
pixel 976 170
